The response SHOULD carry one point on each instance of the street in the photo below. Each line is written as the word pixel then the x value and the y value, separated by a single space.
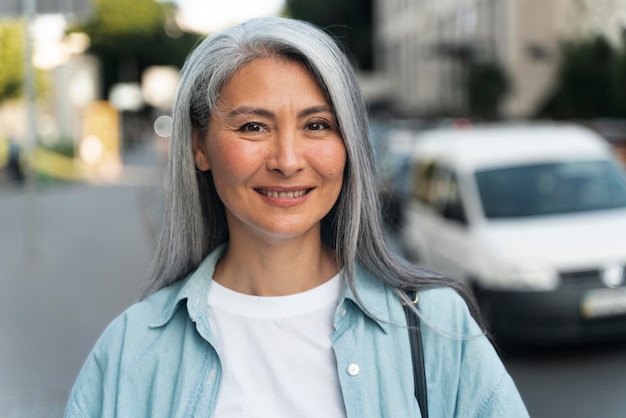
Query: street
pixel 73 256
pixel 579 382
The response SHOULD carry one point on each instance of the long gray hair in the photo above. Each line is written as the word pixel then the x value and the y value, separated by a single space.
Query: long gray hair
pixel 194 217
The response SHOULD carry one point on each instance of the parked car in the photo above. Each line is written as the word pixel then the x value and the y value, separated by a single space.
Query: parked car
pixel 392 140
pixel 533 218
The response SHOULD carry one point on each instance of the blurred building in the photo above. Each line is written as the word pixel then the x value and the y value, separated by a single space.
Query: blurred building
pixel 423 48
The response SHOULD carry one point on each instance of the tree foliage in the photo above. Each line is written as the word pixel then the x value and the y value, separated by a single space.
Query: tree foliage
pixel 487 84
pixel 12 34
pixel 590 82
pixel 349 21
pixel 129 36
pixel 12 43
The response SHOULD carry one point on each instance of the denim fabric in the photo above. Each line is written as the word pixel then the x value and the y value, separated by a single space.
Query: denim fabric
pixel 158 359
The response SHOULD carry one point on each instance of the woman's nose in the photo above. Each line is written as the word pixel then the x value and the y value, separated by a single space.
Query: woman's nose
pixel 286 155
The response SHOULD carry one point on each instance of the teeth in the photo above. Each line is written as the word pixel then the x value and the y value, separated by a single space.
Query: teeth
pixel 287 195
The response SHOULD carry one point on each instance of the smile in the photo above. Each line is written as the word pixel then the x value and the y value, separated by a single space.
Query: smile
pixel 285 195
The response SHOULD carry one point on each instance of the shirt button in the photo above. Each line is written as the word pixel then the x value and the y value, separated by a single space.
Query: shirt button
pixel 353 369
pixel 343 312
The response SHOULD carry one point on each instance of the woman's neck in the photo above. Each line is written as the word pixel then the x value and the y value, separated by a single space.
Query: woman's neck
pixel 277 268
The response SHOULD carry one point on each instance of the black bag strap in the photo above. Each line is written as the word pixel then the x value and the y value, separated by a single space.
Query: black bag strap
pixel 417 351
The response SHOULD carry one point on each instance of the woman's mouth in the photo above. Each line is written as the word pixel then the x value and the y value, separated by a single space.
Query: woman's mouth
pixel 291 194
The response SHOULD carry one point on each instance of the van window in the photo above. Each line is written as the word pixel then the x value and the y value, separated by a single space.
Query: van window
pixel 437 187
pixel 449 200
pixel 551 188
pixel 424 172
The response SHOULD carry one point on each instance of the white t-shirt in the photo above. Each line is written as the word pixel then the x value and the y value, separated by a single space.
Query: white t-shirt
pixel 276 353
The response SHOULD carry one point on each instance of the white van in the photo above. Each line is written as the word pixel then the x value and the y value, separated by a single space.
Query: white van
pixel 533 218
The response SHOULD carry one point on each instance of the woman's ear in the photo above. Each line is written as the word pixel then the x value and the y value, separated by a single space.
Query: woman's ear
pixel 199 155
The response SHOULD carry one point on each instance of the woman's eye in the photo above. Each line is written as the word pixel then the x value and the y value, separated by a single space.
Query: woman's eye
pixel 317 126
pixel 252 127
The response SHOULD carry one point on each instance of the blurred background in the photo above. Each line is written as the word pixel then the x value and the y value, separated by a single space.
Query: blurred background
pixel 86 88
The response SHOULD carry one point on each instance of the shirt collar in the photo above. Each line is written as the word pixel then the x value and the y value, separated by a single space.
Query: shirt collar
pixel 370 298
pixel 195 288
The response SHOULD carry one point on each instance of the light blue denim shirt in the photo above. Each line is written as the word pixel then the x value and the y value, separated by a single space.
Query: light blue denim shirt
pixel 158 358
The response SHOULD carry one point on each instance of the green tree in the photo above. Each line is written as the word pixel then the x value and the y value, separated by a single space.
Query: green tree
pixel 12 34
pixel 619 79
pixel 350 21
pixel 588 79
pixel 487 84
pixel 12 42
pixel 129 36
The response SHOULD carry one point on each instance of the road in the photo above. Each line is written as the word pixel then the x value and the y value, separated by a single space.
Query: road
pixel 572 382
pixel 73 256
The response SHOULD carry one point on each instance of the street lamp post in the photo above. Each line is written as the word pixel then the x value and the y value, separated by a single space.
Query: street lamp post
pixel 30 215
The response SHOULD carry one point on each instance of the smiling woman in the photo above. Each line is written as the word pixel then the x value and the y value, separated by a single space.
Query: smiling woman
pixel 273 292
pixel 276 158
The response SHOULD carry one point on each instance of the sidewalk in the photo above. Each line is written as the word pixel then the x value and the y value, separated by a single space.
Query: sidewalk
pixel 72 257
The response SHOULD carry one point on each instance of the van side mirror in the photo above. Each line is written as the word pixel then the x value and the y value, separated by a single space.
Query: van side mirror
pixel 454 213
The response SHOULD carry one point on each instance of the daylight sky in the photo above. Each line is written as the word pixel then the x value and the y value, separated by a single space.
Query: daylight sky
pixel 210 15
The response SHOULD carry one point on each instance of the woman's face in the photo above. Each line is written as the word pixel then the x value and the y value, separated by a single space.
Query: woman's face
pixel 274 150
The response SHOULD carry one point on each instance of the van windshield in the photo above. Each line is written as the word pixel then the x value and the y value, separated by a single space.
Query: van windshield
pixel 551 188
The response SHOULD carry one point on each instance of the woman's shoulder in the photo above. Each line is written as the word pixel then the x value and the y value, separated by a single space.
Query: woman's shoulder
pixel 445 307
pixel 439 297
pixel 143 314
pixel 473 369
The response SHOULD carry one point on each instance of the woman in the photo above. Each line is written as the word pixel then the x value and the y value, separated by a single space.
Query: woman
pixel 273 292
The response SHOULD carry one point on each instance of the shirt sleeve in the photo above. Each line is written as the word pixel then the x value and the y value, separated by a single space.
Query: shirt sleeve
pixel 464 373
pixel 96 383
pixel 504 400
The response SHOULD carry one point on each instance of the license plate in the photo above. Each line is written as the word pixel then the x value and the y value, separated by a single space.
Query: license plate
pixel 603 302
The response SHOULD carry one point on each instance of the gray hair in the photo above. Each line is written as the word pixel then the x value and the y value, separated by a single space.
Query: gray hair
pixel 194 217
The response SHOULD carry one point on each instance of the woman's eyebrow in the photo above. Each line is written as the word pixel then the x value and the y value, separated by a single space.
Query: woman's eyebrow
pixel 314 109
pixel 251 110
